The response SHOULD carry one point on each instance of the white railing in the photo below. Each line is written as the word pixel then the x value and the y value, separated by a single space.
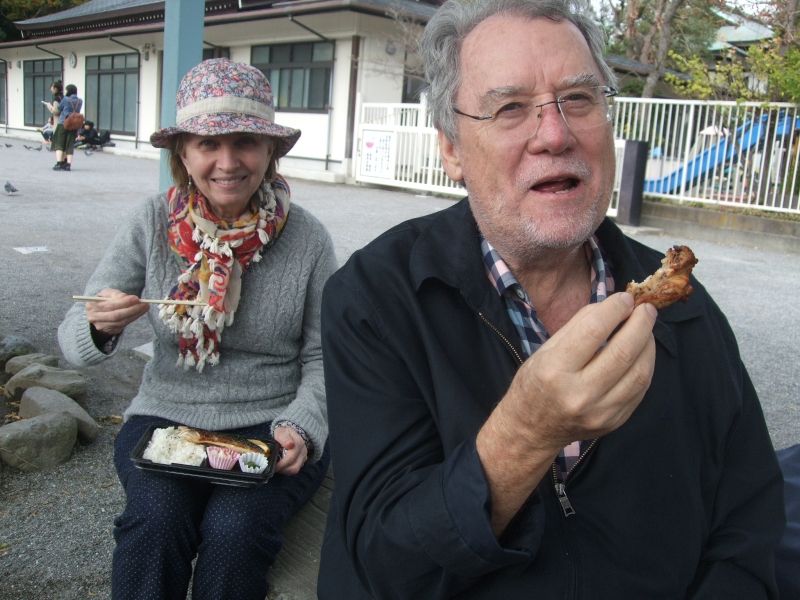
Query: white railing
pixel 735 154
pixel 712 152
pixel 398 147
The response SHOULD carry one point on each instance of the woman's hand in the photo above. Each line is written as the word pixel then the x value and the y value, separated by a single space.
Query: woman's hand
pixel 115 314
pixel 295 452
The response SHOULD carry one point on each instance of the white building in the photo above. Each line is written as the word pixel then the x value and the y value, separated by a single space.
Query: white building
pixel 323 58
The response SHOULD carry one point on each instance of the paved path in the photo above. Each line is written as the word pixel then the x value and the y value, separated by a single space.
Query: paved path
pixel 57 525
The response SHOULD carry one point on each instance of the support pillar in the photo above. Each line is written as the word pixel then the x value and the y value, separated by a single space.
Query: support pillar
pixel 183 49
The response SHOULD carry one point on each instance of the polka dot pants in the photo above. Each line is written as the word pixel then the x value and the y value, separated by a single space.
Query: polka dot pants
pixel 234 533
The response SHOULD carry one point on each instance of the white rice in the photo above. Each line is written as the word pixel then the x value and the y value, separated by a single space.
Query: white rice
pixel 166 447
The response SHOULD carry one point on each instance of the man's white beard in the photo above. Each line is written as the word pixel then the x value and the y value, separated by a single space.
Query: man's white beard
pixel 521 241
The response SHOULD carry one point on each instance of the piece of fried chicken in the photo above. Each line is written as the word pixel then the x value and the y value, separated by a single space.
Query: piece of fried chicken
pixel 669 283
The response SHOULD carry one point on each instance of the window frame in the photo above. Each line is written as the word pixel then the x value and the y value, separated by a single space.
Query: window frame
pixel 95 100
pixel 37 76
pixel 3 88
pixel 294 66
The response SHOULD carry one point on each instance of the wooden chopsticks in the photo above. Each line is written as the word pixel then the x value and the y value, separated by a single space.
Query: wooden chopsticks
pixel 145 300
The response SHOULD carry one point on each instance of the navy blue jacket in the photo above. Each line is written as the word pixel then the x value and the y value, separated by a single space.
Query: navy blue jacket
pixel 683 500
pixel 788 555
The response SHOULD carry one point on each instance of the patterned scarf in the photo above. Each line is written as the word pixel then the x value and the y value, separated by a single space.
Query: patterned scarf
pixel 216 252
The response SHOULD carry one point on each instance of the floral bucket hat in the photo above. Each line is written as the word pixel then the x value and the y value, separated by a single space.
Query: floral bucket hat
pixel 219 96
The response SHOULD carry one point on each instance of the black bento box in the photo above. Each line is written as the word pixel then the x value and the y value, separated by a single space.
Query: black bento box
pixel 205 472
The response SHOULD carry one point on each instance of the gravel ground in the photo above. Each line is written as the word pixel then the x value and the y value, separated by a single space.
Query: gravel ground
pixel 55 527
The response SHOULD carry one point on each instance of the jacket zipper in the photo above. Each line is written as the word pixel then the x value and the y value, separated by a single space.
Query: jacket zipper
pixel 502 337
pixel 560 488
pixel 561 494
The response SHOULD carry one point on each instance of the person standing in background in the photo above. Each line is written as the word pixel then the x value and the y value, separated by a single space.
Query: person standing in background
pixel 63 140
pixel 54 108
pixel 57 91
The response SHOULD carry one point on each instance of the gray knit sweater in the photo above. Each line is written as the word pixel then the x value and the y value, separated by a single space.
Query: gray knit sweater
pixel 270 357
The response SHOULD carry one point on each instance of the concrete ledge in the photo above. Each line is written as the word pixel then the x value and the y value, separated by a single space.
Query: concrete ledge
pixel 145 351
pixel 723 226
pixel 312 175
pixel 143 151
pixel 294 574
pixel 633 230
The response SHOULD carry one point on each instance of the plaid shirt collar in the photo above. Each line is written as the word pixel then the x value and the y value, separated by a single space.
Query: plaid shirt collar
pixel 518 304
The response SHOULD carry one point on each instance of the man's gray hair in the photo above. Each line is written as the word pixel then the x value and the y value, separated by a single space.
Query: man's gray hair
pixel 440 45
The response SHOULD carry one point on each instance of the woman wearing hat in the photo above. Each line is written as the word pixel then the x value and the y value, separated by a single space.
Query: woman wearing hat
pixel 249 360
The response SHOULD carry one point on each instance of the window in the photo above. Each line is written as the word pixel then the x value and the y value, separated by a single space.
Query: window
pixel 2 92
pixel 413 86
pixel 300 74
pixel 216 52
pixel 413 77
pixel 112 92
pixel 37 77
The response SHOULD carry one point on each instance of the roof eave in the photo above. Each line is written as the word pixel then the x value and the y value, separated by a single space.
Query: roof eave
pixel 318 6
pixel 323 6
pixel 85 35
pixel 27 25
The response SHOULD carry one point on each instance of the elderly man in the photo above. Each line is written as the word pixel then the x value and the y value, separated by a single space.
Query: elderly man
pixel 503 424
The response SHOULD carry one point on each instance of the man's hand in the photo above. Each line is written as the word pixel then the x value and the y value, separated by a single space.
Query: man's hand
pixel 115 314
pixel 581 384
pixel 295 452
pixel 584 382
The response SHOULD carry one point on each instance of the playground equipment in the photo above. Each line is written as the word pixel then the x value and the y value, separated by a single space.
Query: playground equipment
pixel 745 138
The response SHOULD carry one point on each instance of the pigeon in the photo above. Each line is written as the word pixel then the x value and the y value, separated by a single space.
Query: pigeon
pixel 10 189
pixel 9 145
pixel 39 149
pixel 28 147
pixel 88 151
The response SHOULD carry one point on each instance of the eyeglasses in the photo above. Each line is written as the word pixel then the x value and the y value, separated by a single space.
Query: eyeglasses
pixel 518 119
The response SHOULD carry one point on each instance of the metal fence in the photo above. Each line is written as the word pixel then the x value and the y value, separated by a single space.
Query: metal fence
pixel 736 154
pixel 727 153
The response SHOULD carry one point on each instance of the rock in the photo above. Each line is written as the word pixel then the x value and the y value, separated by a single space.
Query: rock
pixel 13 345
pixel 15 364
pixel 38 443
pixel 39 401
pixel 68 382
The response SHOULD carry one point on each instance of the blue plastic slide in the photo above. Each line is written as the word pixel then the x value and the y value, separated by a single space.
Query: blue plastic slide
pixel 745 138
